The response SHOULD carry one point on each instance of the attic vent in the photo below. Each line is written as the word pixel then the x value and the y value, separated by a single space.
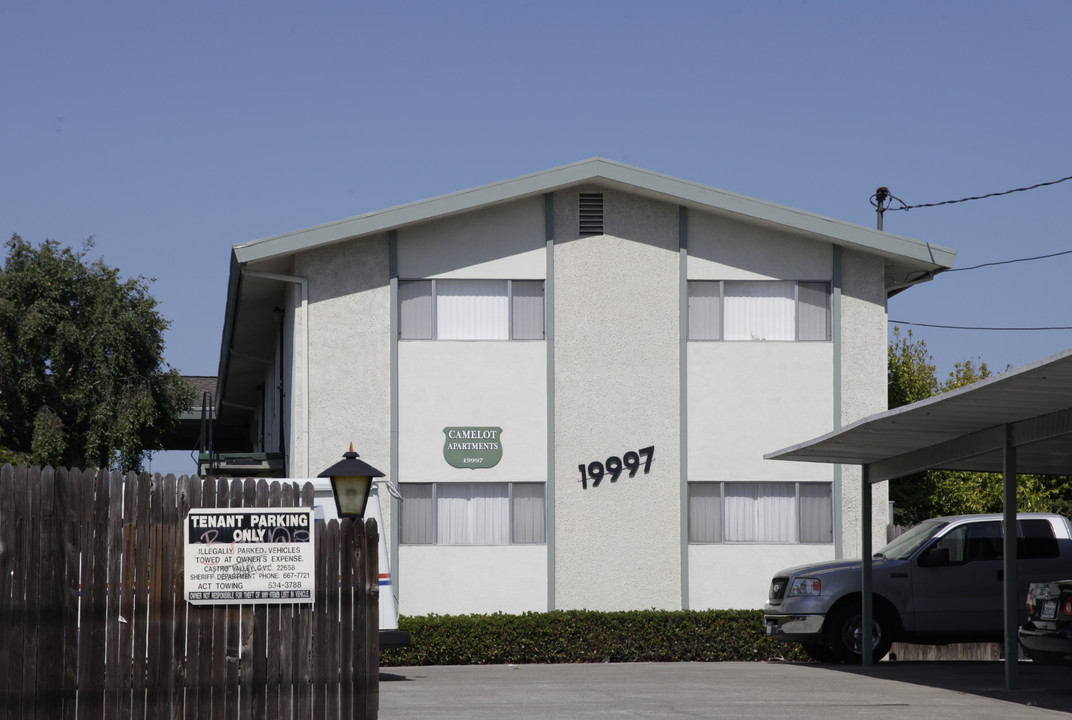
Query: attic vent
pixel 591 213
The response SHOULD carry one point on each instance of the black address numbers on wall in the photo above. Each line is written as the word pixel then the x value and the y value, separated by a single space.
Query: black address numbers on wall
pixel 615 466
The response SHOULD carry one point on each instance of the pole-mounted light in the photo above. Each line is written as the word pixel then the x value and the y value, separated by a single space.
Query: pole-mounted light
pixel 351 481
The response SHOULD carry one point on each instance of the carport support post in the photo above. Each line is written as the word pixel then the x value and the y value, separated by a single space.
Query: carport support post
pixel 1012 602
pixel 865 565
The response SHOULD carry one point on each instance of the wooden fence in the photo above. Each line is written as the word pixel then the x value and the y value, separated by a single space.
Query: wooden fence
pixel 94 621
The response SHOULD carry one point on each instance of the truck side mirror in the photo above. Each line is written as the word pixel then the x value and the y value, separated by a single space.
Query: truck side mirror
pixel 934 557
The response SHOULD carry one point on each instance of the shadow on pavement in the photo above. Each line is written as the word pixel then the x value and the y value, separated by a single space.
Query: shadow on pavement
pixel 1041 686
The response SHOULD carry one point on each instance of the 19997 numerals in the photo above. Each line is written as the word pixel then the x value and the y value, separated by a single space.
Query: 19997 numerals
pixel 615 465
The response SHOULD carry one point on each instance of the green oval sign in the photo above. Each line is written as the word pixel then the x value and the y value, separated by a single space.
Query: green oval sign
pixel 472 447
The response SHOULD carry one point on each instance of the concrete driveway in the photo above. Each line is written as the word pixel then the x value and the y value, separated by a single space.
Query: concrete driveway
pixel 900 690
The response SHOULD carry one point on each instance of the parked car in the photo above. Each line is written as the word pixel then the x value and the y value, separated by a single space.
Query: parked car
pixel 1046 637
pixel 940 582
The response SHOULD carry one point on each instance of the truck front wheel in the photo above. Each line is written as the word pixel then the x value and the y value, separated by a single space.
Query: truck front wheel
pixel 819 652
pixel 844 634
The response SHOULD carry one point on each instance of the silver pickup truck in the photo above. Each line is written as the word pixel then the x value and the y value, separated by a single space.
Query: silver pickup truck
pixel 939 582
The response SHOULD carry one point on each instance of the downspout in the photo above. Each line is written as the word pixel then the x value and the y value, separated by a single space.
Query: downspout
pixel 304 284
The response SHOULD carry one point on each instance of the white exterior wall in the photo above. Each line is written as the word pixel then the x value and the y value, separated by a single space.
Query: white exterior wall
pixel 750 398
pixel 460 580
pixel 491 384
pixel 484 383
pixel 746 399
pixel 738 576
pixel 617 386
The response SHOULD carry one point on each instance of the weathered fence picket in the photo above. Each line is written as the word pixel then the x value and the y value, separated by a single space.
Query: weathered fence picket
pixel 95 623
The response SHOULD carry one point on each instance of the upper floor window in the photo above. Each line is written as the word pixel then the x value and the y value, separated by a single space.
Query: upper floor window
pixel 471 309
pixel 759 310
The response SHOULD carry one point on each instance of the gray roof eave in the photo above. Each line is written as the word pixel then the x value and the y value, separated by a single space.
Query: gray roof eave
pixel 909 252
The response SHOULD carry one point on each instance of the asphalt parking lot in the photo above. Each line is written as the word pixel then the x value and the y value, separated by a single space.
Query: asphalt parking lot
pixel 901 690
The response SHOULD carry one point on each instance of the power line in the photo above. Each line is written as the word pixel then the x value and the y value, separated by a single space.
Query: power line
pixel 882 200
pixel 1009 262
pixel 969 327
pixel 879 198
pixel 989 264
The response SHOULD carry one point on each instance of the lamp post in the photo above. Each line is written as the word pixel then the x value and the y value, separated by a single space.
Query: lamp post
pixel 351 481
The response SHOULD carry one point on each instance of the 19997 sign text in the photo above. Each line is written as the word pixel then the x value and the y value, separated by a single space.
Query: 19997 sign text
pixel 615 465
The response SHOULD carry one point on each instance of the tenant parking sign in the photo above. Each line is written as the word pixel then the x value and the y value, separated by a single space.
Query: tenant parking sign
pixel 249 555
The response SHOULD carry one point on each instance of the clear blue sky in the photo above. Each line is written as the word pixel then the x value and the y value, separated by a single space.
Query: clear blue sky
pixel 172 131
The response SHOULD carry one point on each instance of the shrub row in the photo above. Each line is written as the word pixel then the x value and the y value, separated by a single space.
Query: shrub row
pixel 582 636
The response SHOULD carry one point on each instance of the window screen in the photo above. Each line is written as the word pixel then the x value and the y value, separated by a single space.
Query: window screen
pixel 526 297
pixel 813 311
pixel 705 311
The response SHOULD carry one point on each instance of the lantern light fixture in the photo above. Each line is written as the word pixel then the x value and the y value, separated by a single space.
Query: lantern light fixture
pixel 351 482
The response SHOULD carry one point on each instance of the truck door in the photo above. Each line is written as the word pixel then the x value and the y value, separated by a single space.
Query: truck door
pixel 960 588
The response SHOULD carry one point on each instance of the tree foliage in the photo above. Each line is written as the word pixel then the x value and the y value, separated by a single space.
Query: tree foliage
pixel 83 382
pixel 911 377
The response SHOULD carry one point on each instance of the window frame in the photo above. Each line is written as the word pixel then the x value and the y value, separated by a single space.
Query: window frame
pixel 511 532
pixel 797 309
pixel 797 484
pixel 511 309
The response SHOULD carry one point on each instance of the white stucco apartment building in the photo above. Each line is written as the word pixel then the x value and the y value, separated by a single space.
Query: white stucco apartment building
pixel 573 377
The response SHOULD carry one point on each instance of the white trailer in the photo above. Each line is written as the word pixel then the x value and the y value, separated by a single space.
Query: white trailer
pixel 324 509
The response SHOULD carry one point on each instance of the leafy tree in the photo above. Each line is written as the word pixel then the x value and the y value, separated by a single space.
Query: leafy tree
pixel 911 377
pixel 9 456
pixel 82 377
pixel 910 372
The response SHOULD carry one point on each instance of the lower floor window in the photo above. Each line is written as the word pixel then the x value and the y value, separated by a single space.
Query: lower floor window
pixel 761 512
pixel 472 514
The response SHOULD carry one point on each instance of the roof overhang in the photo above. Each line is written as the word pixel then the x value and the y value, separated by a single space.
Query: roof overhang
pixel 910 257
pixel 250 328
pixel 963 429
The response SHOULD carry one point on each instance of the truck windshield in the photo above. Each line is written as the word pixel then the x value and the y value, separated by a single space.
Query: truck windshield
pixel 902 547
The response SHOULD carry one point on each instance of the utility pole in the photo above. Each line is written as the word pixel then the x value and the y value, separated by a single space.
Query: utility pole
pixel 881 196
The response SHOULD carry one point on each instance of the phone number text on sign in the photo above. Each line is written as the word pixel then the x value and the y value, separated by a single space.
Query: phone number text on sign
pixel 615 466
pixel 249 555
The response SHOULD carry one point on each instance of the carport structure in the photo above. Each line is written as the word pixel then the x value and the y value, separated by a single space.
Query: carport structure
pixel 1019 421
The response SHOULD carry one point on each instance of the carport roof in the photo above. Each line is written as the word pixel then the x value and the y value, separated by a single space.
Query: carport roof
pixel 963 429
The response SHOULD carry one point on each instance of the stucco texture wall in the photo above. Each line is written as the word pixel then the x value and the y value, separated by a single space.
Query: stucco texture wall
pixel 503 242
pixel 863 387
pixel 616 386
pixel 349 349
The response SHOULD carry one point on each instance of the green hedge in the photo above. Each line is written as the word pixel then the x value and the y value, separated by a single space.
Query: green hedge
pixel 581 636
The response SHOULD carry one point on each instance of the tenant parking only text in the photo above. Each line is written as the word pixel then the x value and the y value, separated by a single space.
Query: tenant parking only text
pixel 249 555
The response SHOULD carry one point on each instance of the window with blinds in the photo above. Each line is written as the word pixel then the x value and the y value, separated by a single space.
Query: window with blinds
pixel 471 309
pixel 759 310
pixel 465 513
pixel 760 512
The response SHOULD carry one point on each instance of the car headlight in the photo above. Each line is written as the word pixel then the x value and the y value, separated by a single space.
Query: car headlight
pixel 805 586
